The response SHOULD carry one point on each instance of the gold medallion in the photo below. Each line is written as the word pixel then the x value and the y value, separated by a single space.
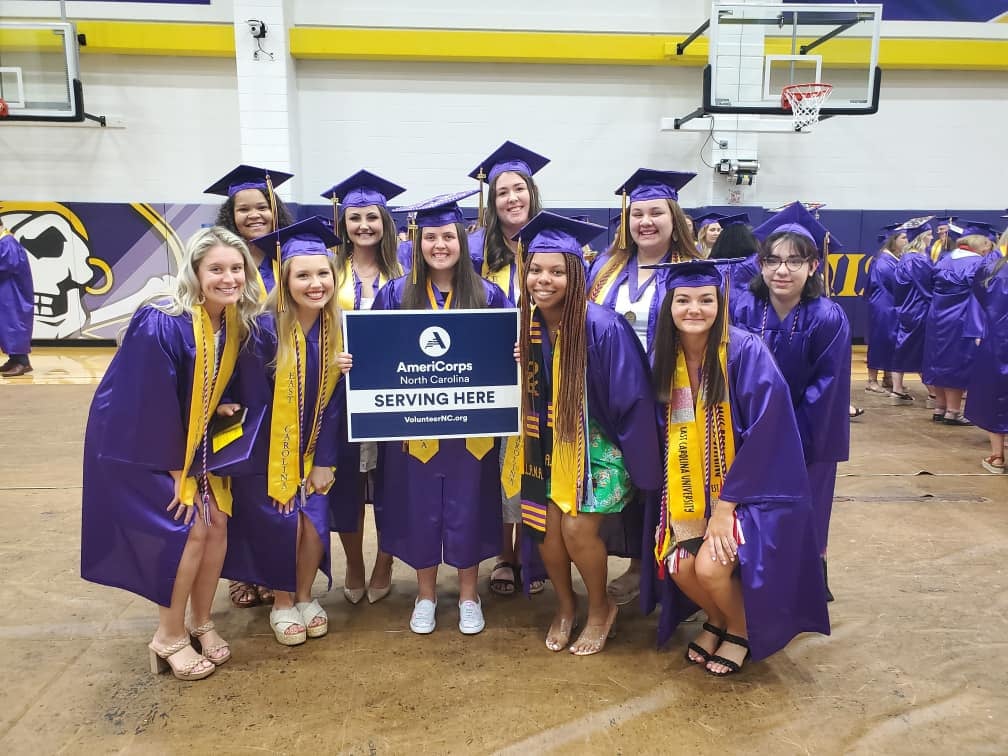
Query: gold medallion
pixel 630 316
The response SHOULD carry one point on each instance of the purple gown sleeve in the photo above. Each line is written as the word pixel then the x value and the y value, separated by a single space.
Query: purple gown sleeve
pixel 620 384
pixel 822 411
pixel 769 462
pixel 388 296
pixel 975 326
pixel 10 255
pixel 145 424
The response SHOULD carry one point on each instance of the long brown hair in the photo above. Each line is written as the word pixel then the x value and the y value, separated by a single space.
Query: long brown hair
pixel 666 349
pixel 387 257
pixel 573 350
pixel 468 292
pixel 496 251
pixel 681 245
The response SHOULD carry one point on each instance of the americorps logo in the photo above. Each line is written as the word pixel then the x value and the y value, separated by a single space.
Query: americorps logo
pixel 434 341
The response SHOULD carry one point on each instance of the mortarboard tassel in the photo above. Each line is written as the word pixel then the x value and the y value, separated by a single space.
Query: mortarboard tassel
pixel 621 240
pixel 276 257
pixel 414 234
pixel 826 270
pixel 519 267
pixel 481 216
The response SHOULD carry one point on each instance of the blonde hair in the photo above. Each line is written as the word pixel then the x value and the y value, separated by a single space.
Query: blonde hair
pixel 918 244
pixel 976 242
pixel 188 292
pixel 285 320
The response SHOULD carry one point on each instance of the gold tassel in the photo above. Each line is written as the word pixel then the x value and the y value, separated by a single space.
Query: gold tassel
pixel 341 244
pixel 414 234
pixel 826 272
pixel 727 309
pixel 481 216
pixel 621 240
pixel 278 284
pixel 519 266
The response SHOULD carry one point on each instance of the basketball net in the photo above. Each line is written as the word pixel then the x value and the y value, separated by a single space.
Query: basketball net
pixel 804 101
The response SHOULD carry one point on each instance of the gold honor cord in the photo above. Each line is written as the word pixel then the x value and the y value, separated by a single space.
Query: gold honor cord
pixel 424 449
pixel 205 395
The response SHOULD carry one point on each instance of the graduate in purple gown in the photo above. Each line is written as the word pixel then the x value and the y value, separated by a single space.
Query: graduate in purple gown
pixel 948 351
pixel 736 532
pixel 736 241
pixel 987 401
pixel 154 516
pixel 589 442
pixel 652 228
pixel 366 260
pixel 279 534
pixel 878 292
pixel 439 500
pixel 252 209
pixel 911 297
pixel 810 339
pixel 512 198
pixel 17 305
pixel 944 239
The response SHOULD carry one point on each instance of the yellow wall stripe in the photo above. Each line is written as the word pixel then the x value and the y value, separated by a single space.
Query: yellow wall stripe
pixel 455 46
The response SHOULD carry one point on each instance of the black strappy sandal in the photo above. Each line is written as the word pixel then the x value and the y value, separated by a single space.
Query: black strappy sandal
pixel 704 654
pixel 733 667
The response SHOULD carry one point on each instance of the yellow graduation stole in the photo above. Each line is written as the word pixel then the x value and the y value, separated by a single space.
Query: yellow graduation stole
pixel 288 466
pixel 207 389
pixel 599 290
pixel 424 449
pixel 699 450
pixel 262 286
pixel 936 250
pixel 500 277
pixel 347 294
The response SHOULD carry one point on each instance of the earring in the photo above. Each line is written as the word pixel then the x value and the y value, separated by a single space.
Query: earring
pixel 201 299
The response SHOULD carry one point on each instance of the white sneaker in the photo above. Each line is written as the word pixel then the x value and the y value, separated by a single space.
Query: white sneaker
pixel 471 617
pixel 423 621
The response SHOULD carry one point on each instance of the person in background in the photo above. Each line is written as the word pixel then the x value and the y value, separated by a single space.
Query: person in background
pixel 708 229
pixel 366 259
pixel 652 229
pixel 810 339
pixel 512 198
pixel 954 312
pixel 942 242
pixel 878 292
pixel 17 305
pixel 911 298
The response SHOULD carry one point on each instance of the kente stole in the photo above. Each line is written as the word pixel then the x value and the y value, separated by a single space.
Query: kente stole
pixel 290 456
pixel 699 450
pixel 424 449
pixel 551 470
pixel 207 388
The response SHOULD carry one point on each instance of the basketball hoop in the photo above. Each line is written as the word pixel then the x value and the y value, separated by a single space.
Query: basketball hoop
pixel 4 108
pixel 804 102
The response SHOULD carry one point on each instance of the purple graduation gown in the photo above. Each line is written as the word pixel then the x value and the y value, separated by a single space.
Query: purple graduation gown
pixel 912 297
pixel 881 310
pixel 449 508
pixel 17 297
pixel 741 273
pixel 948 352
pixel 813 351
pixel 621 401
pixel 262 542
pixel 987 402
pixel 781 573
pixel 136 433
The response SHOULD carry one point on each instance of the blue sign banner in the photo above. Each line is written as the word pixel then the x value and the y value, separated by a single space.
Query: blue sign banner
pixel 432 374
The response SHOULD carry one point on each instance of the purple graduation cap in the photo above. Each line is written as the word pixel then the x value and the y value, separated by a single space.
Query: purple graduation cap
pixel 797 220
pixel 968 228
pixel 361 190
pixel 312 236
pixel 914 227
pixel 247 177
pixel 706 219
pixel 549 232
pixel 649 184
pixel 438 211
pixel 508 157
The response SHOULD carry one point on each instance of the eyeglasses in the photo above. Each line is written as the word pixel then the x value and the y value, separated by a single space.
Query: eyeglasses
pixel 773 263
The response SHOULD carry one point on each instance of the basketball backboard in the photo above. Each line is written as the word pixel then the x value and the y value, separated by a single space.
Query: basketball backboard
pixel 758 48
pixel 39 78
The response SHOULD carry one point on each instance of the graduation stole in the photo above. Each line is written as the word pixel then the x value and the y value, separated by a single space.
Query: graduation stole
pixel 504 277
pixel 551 470
pixel 699 450
pixel 207 388
pixel 262 286
pixel 599 291
pixel 424 449
pixel 350 290
pixel 290 456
